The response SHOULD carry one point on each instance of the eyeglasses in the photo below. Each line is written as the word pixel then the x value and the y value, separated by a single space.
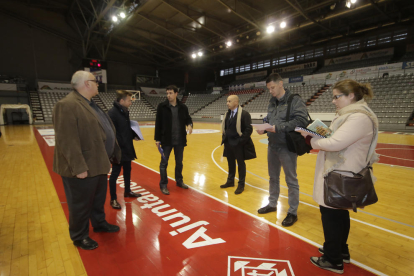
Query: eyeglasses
pixel 337 96
pixel 96 81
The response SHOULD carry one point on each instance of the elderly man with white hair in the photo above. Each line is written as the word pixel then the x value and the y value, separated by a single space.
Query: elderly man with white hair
pixel 85 147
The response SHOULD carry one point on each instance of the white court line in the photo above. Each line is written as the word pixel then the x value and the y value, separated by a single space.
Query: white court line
pixel 357 220
pixel 370 269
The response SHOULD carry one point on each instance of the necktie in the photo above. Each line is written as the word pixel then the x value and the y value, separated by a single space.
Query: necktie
pixel 232 115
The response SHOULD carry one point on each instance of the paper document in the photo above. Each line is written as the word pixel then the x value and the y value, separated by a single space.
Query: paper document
pixel 262 126
pixel 319 127
pixel 137 130
pixel 308 132
pixel 161 152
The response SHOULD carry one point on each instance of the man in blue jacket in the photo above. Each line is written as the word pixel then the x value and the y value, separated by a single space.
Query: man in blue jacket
pixel 170 133
pixel 278 155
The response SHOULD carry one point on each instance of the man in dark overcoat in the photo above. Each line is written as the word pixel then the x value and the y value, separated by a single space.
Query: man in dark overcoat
pixel 238 144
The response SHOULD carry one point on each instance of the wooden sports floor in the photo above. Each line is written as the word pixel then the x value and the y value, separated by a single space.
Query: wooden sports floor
pixel 34 237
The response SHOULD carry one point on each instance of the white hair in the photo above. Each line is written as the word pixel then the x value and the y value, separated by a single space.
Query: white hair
pixel 79 78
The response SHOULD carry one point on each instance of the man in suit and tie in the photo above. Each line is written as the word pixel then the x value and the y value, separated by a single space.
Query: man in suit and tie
pixel 238 144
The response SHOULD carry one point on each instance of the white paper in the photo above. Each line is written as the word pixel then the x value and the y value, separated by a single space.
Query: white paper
pixel 262 126
pixel 137 130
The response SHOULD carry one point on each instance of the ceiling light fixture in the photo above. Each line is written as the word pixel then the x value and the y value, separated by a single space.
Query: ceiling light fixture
pixel 270 29
pixel 114 18
pixel 193 55
pixel 200 53
pixel 228 43
pixel 122 15
pixel 283 24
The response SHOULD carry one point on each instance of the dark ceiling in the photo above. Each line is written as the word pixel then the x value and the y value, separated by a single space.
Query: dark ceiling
pixel 165 33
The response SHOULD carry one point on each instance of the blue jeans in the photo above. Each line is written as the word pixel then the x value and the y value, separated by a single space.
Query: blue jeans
pixel 277 158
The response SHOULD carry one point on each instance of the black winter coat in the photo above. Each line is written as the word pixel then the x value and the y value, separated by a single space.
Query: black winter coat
pixel 163 123
pixel 124 134
pixel 245 141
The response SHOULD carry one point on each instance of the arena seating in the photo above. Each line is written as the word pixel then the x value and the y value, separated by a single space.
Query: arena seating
pixel 260 104
pixel 393 101
pixel 219 107
pixel 48 101
pixel 195 102
pixel 140 109
pixel 297 73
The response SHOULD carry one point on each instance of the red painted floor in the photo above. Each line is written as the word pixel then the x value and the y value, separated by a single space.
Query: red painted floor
pixel 216 239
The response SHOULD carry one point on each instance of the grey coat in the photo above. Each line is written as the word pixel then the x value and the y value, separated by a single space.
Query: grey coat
pixel 276 114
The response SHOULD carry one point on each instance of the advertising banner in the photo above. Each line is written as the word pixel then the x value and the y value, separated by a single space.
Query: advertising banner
pixel 260 84
pixel 8 87
pixel 390 67
pixel 252 75
pixel 100 74
pixel 359 56
pixel 54 87
pixel 296 79
pixel 150 91
pixel 295 67
pixel 408 65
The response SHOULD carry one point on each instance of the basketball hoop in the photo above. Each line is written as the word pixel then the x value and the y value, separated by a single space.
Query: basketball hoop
pixel 134 94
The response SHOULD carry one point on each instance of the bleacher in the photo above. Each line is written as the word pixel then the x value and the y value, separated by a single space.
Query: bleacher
pixel 195 102
pixel 260 104
pixel 393 101
pixel 139 109
pixel 243 81
pixel 219 107
pixel 48 101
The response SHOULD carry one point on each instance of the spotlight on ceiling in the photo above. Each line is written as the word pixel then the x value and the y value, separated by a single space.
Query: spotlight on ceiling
pixel 200 53
pixel 228 43
pixel 193 55
pixel 283 24
pixel 122 15
pixel 348 4
pixel 114 18
pixel 270 29
pixel 353 1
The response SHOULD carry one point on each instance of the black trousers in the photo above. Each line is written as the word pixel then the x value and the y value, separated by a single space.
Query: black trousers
pixel 178 153
pixel 116 170
pixel 336 224
pixel 86 199
pixel 235 153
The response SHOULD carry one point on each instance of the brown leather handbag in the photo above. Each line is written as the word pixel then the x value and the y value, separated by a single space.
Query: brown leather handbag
pixel 349 192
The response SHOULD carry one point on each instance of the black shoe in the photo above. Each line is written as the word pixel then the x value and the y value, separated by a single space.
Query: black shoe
pixel 115 204
pixel 323 263
pixel 108 228
pixel 86 244
pixel 228 184
pixel 266 209
pixel 131 194
pixel 239 190
pixel 165 191
pixel 346 257
pixel 182 185
pixel 289 220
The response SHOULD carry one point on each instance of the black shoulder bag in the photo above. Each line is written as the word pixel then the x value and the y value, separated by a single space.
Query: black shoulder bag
pixel 295 141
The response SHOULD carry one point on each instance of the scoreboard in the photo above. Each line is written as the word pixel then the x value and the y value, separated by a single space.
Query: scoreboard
pixel 94 63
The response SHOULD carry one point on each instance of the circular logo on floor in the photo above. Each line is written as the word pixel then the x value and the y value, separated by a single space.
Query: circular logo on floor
pixel 205 131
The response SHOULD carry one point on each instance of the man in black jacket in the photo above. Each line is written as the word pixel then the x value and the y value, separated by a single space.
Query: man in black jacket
pixel 170 132
pixel 238 144
pixel 119 114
